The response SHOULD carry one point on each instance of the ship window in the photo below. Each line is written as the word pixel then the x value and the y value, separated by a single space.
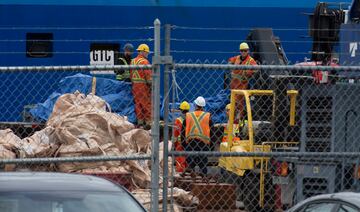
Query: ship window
pixel 39 45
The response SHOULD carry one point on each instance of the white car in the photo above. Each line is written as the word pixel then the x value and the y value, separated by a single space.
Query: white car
pixel 337 202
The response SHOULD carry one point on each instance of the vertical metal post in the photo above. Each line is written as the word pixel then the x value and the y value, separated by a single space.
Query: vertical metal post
pixel 173 100
pixel 166 117
pixel 156 119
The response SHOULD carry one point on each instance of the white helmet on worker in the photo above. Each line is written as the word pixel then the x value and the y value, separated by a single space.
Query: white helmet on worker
pixel 143 47
pixel 244 46
pixel 200 101
pixel 228 106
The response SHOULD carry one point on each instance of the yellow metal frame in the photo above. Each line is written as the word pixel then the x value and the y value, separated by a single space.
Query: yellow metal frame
pixel 247 94
pixel 293 94
pixel 264 167
pixel 249 144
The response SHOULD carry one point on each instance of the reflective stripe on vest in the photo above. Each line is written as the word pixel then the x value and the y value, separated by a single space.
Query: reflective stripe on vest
pixel 241 77
pixel 181 119
pixel 235 132
pixel 126 73
pixel 123 60
pixel 135 76
pixel 197 126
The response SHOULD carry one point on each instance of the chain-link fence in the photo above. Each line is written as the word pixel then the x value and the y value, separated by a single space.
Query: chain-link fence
pixel 100 119
pixel 267 134
pixel 275 109
pixel 262 138
pixel 87 132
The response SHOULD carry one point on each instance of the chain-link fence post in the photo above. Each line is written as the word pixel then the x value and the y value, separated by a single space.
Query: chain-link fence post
pixel 166 117
pixel 156 118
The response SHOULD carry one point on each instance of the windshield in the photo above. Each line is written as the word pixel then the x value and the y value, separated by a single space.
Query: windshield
pixel 68 201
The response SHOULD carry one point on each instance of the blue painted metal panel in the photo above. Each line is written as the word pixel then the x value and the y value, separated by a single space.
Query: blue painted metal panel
pixel 21 89
pixel 81 16
pixel 350 44
pixel 177 3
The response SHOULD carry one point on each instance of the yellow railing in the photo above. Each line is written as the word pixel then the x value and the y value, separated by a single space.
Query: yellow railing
pixel 247 94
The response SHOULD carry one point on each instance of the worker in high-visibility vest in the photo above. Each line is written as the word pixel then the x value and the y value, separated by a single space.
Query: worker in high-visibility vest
pixel 196 132
pixel 240 78
pixel 180 161
pixel 125 59
pixel 141 87
pixel 235 128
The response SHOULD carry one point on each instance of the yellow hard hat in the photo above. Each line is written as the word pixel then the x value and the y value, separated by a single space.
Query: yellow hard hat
pixel 244 46
pixel 184 105
pixel 228 106
pixel 143 47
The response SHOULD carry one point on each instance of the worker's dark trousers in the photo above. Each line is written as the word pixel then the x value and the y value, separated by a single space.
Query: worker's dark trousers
pixel 194 161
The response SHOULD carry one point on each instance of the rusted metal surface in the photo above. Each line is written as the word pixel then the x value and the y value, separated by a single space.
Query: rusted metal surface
pixel 187 180
pixel 215 196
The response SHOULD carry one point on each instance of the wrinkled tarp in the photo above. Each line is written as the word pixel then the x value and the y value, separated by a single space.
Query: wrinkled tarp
pixel 81 126
pixel 116 93
pixel 215 105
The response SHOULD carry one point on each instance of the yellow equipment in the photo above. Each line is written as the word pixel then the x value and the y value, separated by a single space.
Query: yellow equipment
pixel 239 165
pixel 184 105
pixel 244 46
pixel 143 47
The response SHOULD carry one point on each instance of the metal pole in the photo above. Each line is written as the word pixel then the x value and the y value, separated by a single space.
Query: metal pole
pixel 74 159
pixel 173 100
pixel 166 118
pixel 156 119
pixel 336 156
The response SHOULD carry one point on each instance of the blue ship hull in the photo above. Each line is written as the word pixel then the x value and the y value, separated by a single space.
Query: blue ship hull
pixel 63 18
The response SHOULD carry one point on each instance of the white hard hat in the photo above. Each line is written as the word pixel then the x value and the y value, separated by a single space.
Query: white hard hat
pixel 200 101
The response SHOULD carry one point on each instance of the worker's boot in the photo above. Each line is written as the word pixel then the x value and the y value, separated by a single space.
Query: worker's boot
pixel 140 124
pixel 147 127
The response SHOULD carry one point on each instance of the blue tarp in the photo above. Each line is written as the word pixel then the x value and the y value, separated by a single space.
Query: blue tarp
pixel 117 94
pixel 215 105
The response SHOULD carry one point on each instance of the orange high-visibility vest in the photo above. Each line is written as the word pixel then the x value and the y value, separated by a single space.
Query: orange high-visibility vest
pixel 240 74
pixel 197 126
pixel 235 131
pixel 140 76
pixel 180 161
pixel 178 125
